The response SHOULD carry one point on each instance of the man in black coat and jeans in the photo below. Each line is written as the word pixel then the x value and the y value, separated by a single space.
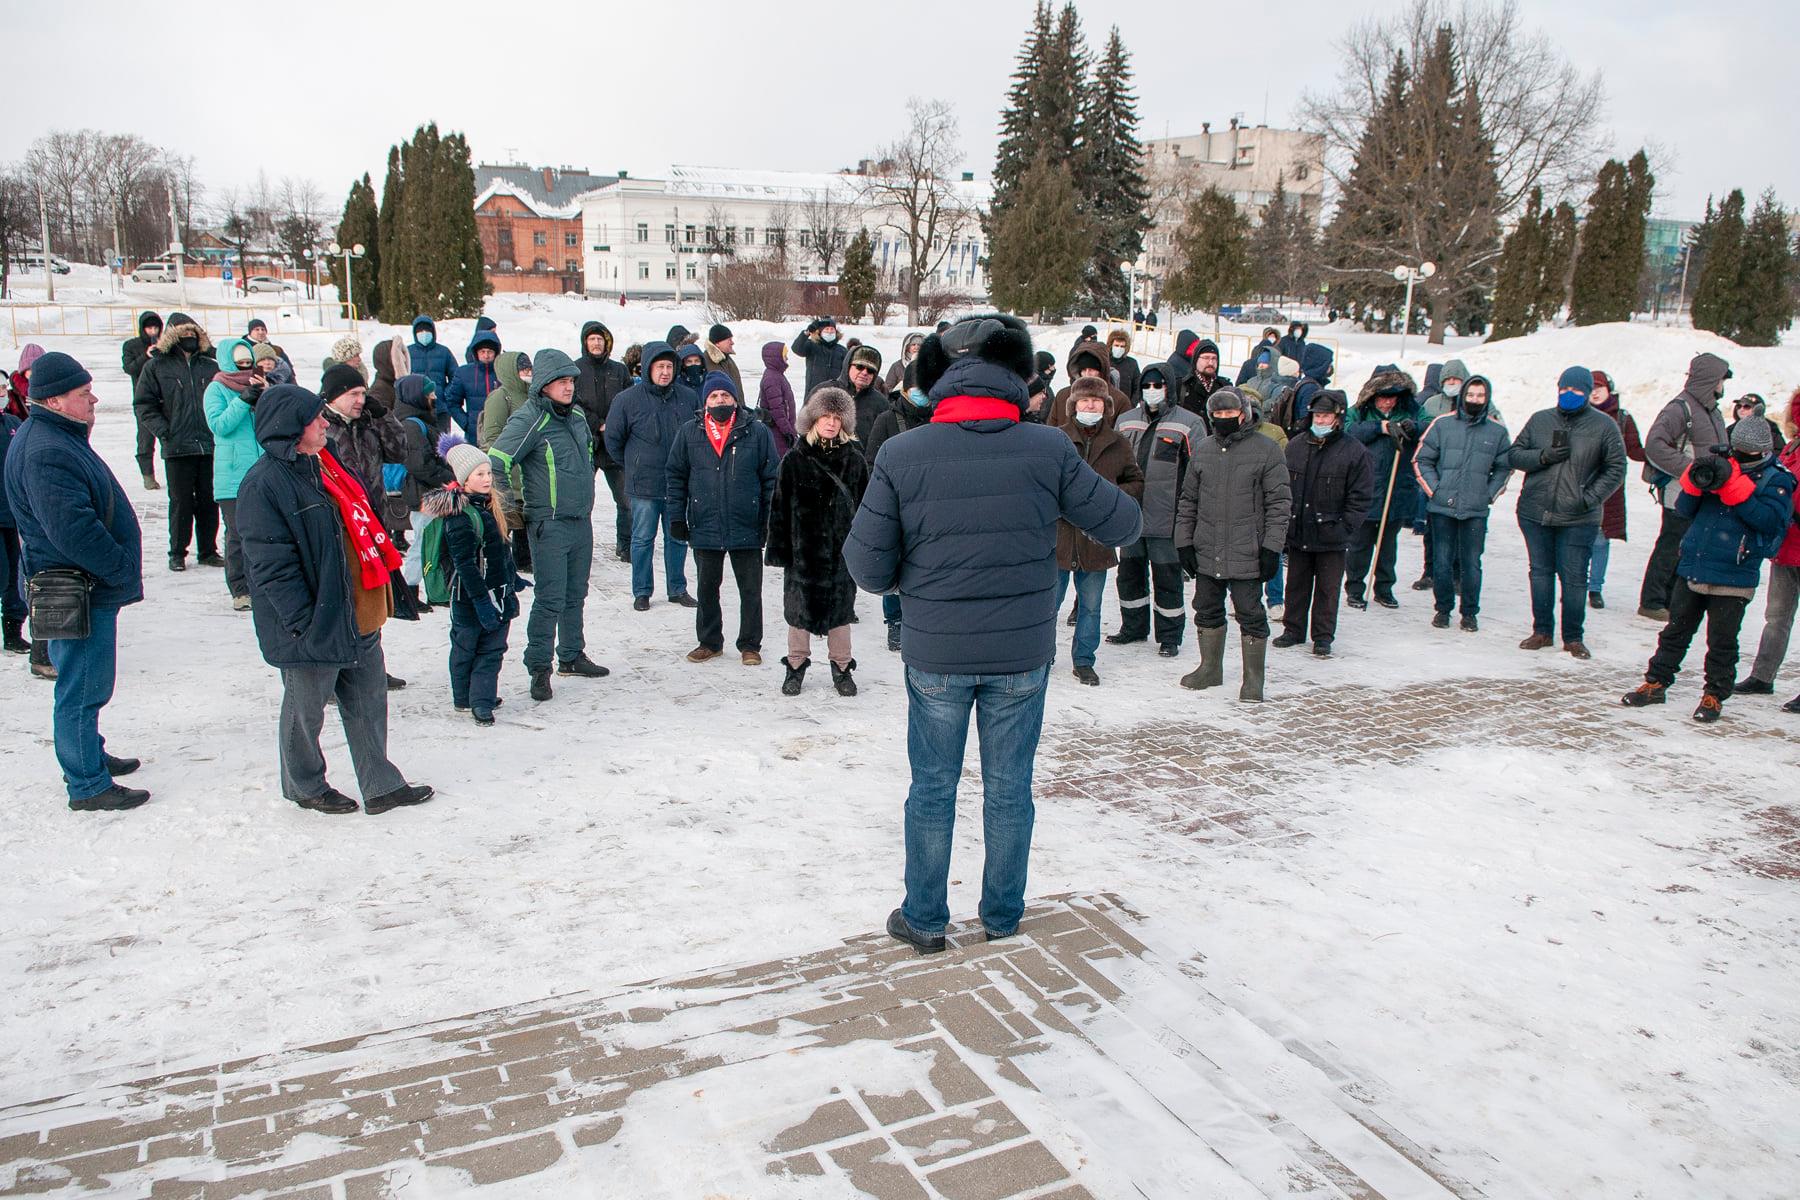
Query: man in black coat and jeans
pixel 1333 481
pixel 133 355
pixel 170 403
pixel 599 377
pixel 960 517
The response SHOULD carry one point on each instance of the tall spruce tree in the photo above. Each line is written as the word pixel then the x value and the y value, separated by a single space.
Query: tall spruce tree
pixel 856 275
pixel 1611 258
pixel 1717 305
pixel 1560 235
pixel 1363 221
pixel 395 299
pixel 459 238
pixel 1112 177
pixel 1018 120
pixel 1037 248
pixel 360 224
pixel 1520 273
pixel 1766 278
pixel 1213 250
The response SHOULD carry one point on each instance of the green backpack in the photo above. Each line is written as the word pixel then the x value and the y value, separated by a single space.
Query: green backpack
pixel 434 548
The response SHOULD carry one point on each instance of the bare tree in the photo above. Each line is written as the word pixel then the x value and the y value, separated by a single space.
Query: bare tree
pixel 914 187
pixel 59 165
pixel 125 171
pixel 18 218
pixel 186 190
pixel 1542 113
pixel 778 228
pixel 826 214
pixel 752 290
pixel 713 240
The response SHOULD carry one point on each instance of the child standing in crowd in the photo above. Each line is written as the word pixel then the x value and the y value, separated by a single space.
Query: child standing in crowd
pixel 484 584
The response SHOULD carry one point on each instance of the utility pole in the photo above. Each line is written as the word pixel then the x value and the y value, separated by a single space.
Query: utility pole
pixel 176 249
pixel 678 254
pixel 44 240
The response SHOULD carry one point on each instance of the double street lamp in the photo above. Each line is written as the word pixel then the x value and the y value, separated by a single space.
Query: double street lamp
pixel 1409 276
pixel 349 252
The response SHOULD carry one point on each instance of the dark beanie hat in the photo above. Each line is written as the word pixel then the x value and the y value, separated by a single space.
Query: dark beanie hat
pixel 1327 400
pixel 256 323
pixel 338 380
pixel 866 356
pixel 56 374
pixel 717 334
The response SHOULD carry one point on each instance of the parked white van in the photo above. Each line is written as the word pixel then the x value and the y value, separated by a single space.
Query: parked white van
pixel 155 272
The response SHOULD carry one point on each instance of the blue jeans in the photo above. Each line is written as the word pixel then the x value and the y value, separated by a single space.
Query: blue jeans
pixel 1558 553
pixel 890 607
pixel 1275 590
pixel 646 515
pixel 1597 564
pixel 1456 546
pixel 85 669
pixel 1009 712
pixel 1090 588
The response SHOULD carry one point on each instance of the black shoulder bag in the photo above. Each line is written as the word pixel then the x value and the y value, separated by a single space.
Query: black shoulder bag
pixel 58 599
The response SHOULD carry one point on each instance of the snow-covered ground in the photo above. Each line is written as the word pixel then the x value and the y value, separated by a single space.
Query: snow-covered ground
pixel 1521 941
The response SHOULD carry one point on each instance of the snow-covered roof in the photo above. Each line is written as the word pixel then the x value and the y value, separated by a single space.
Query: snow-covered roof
pixel 737 183
pixel 502 187
pixel 552 188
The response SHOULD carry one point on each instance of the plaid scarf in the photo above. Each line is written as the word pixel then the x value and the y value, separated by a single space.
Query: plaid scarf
pixel 375 554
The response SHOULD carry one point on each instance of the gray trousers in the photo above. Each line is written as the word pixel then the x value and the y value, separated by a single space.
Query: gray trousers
pixel 361 693
pixel 1778 621
pixel 562 551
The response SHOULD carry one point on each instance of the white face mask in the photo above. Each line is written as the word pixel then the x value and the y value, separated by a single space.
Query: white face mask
pixel 1090 419
pixel 1118 352
pixel 1453 388
pixel 1153 396
pixel 828 337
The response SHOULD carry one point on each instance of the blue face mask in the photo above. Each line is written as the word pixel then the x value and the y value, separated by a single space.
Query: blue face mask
pixel 1322 431
pixel 1570 401
pixel 918 399
pixel 426 337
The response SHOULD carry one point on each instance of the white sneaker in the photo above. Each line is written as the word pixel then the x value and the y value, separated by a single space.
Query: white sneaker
pixel 240 603
pixel 1275 611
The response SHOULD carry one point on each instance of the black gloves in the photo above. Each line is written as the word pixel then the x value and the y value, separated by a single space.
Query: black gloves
pixel 1190 561
pixel 1268 564
pixel 253 393
pixel 1409 429
pixel 678 530
pixel 1555 454
pixel 1711 473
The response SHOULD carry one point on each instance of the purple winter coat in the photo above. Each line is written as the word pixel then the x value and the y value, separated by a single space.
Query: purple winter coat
pixel 776 397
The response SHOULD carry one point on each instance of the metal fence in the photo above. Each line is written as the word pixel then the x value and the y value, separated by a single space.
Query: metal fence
pixel 28 322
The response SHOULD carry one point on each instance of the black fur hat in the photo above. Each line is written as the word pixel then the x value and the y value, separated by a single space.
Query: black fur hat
pixel 996 338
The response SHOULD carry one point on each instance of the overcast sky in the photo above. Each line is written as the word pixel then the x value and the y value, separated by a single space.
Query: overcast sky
pixel 612 86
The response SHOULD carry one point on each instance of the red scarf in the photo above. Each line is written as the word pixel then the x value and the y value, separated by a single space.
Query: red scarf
pixel 954 409
pixel 719 434
pixel 375 554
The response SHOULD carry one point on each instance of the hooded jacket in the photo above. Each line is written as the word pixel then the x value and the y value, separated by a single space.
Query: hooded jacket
pixel 818 488
pixel 1363 423
pixel 1571 492
pixel 641 428
pixel 482 570
pixel 1333 485
pixel 504 400
pixel 1235 503
pixel 435 361
pixel 1727 543
pixel 1268 346
pixel 1691 419
pixel 69 509
pixel 136 350
pixel 550 445
pixel 896 372
pixel 723 495
pixel 1162 443
pixel 1789 553
pixel 1316 367
pixel 960 519
pixel 1462 464
pixel 170 400
pixel 598 381
pixel 300 590
pixel 824 362
pixel 1112 458
pixel 416 411
pixel 1124 367
pixel 380 392
pixel 901 416
pixel 471 383
pixel 775 397
pixel 17 386
pixel 232 423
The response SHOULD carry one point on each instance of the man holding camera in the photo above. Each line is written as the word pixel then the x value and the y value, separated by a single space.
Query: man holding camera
pixel 1573 457
pixel 1738 501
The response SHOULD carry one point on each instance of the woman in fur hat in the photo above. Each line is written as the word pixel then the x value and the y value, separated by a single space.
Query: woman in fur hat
pixel 817 492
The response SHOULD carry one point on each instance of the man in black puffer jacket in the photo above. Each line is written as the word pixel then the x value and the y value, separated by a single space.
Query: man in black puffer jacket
pixel 599 378
pixel 960 517
pixel 1333 482
pixel 133 356
pixel 170 404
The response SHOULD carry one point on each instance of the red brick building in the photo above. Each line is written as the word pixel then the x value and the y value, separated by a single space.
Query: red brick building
pixel 530 225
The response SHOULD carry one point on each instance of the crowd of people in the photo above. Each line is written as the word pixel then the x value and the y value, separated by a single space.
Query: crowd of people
pixel 963 487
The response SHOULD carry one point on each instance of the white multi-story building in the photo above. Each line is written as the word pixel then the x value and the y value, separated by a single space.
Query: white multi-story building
pixel 657 237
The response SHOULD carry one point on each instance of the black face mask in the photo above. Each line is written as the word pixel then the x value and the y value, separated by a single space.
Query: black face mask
pixel 1226 426
pixel 721 412
pixel 188 345
pixel 1474 411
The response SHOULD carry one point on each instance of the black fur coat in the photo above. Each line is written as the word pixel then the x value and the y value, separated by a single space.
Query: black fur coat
pixel 808 523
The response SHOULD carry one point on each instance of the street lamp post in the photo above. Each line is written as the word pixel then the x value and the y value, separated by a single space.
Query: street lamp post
pixel 349 252
pixel 1130 270
pixel 712 264
pixel 1409 276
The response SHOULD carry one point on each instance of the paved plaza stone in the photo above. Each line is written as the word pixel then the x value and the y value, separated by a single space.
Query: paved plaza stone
pixel 1039 1066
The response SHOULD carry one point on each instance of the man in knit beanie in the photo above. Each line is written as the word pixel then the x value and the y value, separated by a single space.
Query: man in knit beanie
pixel 717 346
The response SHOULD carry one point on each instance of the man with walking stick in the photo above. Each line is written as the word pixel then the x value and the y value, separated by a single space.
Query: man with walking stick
pixel 1386 420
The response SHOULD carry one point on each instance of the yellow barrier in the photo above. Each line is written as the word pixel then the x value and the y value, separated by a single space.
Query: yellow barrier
pixel 28 322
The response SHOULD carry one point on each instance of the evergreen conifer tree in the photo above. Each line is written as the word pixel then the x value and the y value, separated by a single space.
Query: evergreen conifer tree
pixel 1717 304
pixel 1038 247
pixel 1766 277
pixel 359 224
pixel 1518 280
pixel 856 276
pixel 1611 255
pixel 1213 249
pixel 396 304
pixel 1113 177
